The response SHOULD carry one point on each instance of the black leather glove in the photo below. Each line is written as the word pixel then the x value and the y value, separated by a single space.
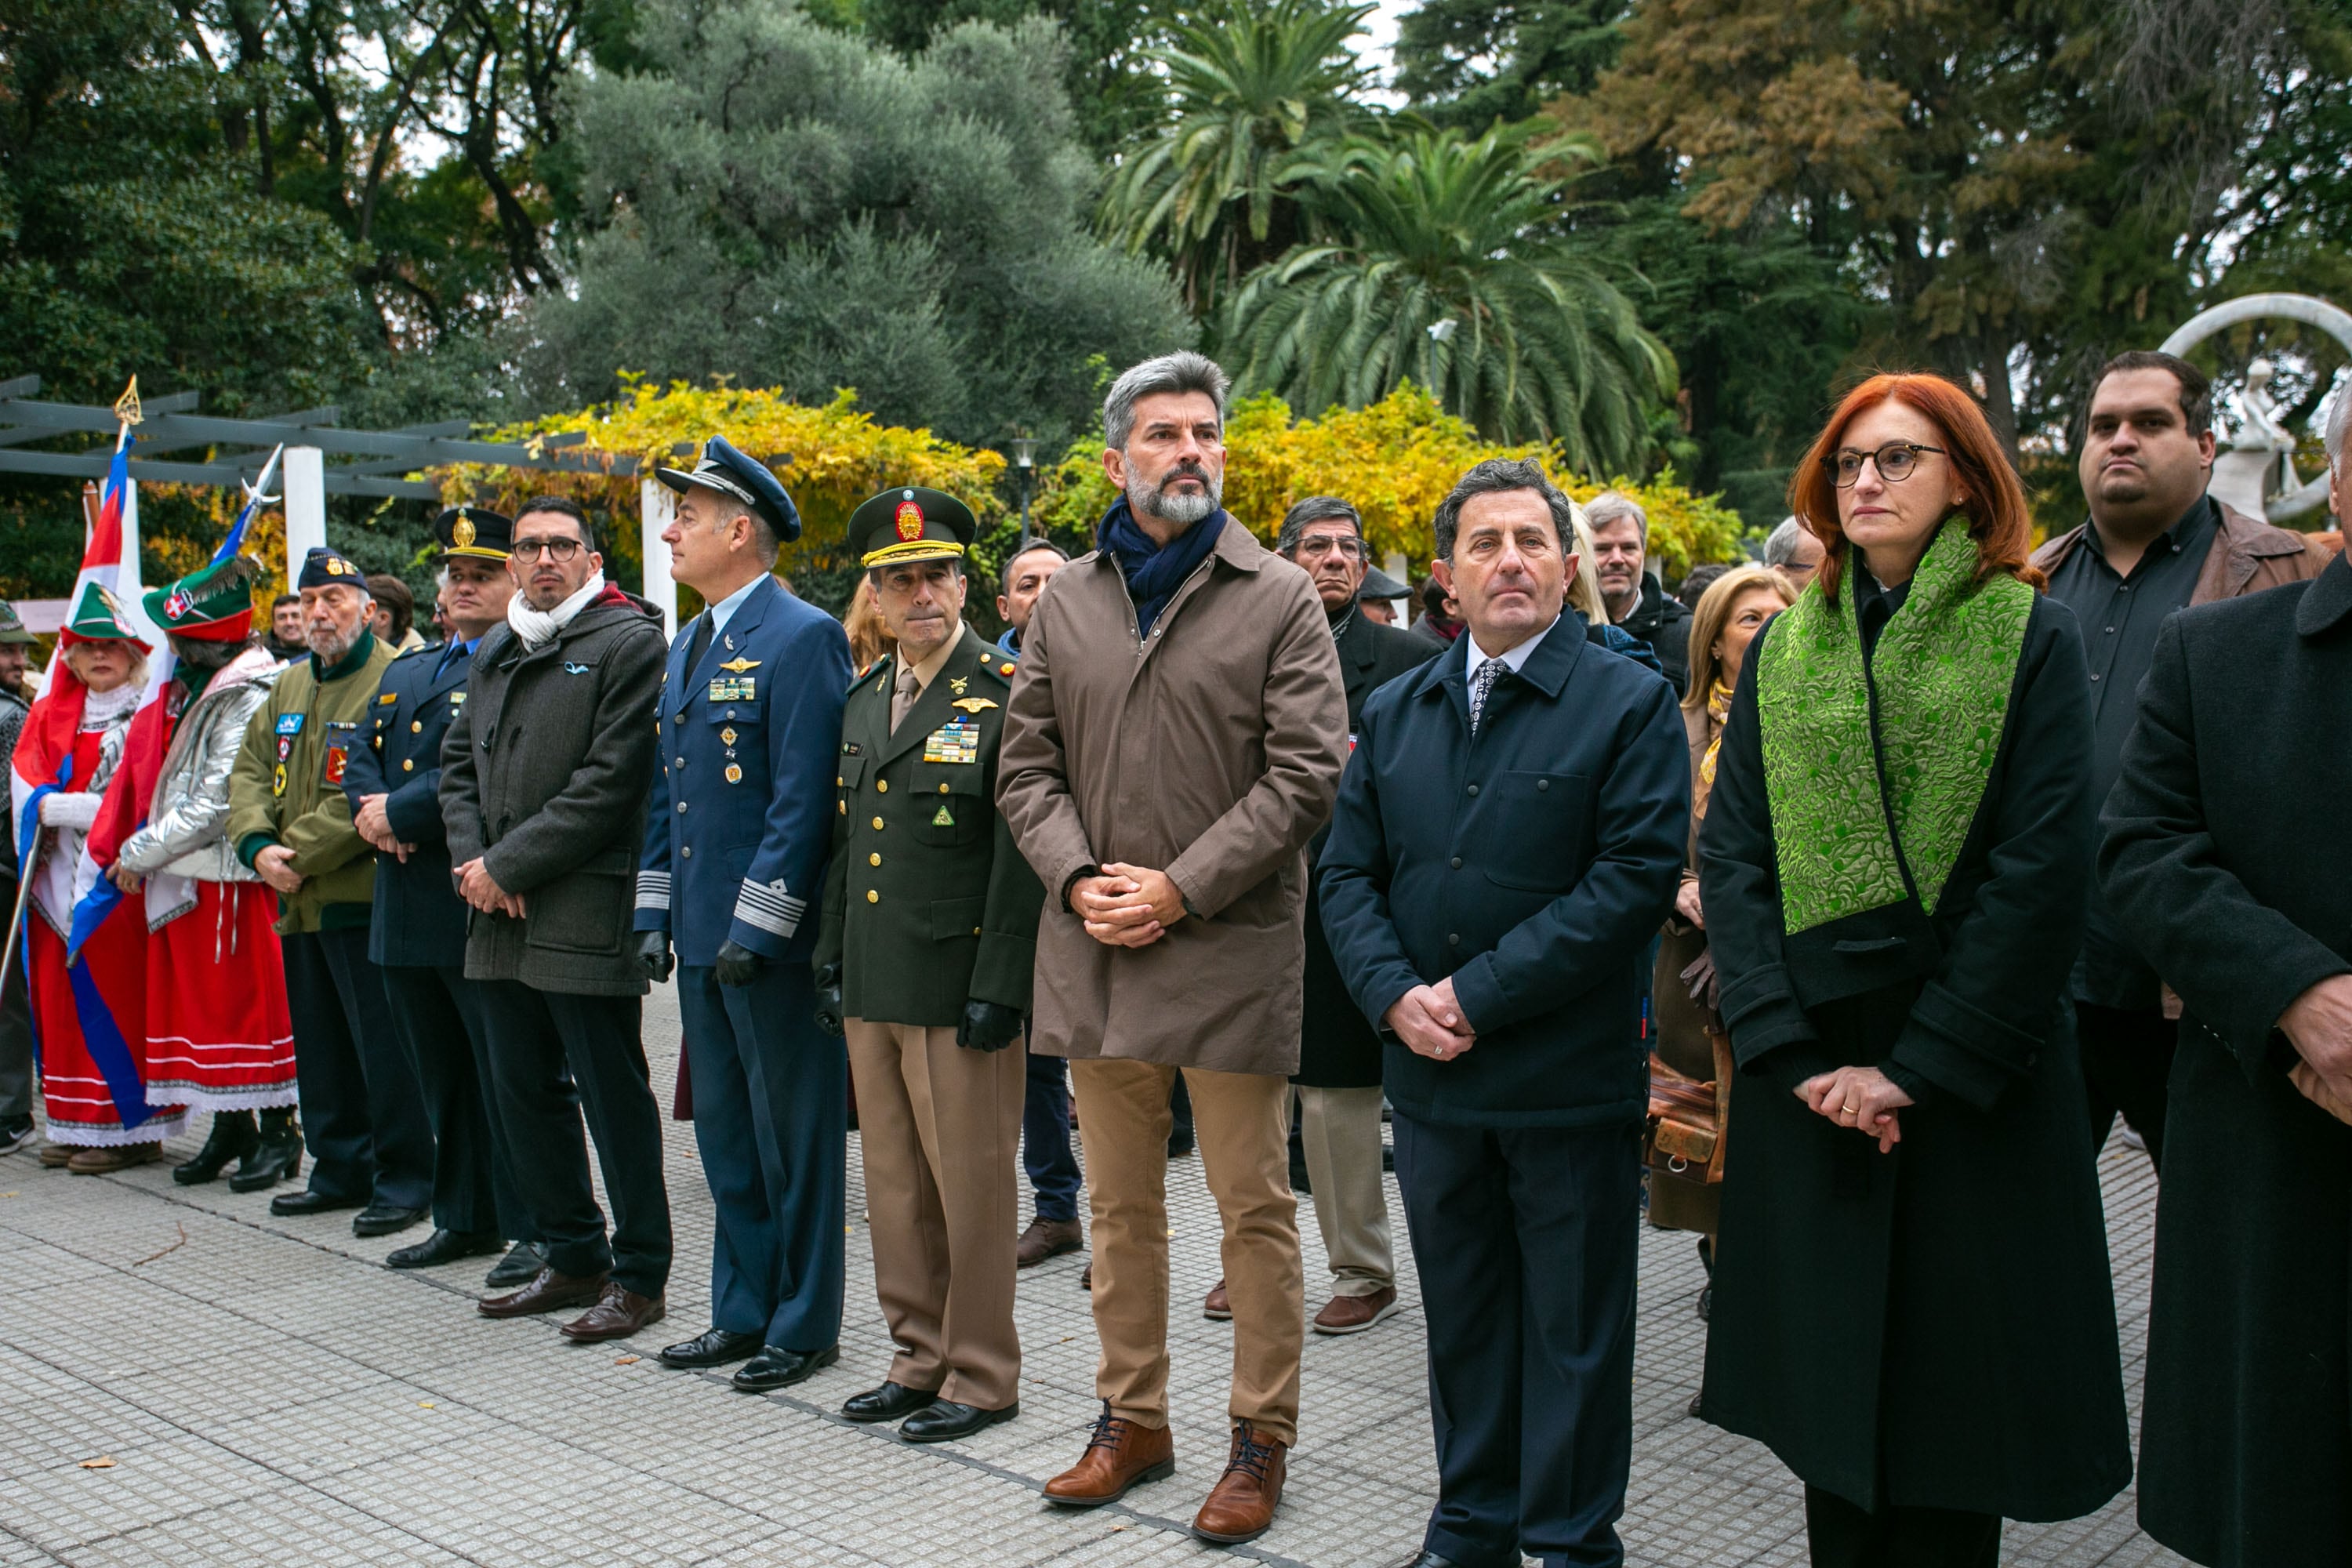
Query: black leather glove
pixel 737 964
pixel 988 1025
pixel 653 951
pixel 828 998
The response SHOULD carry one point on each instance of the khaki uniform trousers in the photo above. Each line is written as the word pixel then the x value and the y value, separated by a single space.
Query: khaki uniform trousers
pixel 1242 1125
pixel 939 1130
pixel 1341 1132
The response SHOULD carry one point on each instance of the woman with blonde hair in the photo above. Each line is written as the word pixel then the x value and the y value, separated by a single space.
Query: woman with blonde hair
pixel 869 639
pixel 1912 1301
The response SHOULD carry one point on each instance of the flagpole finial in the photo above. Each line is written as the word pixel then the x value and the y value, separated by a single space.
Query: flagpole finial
pixel 126 407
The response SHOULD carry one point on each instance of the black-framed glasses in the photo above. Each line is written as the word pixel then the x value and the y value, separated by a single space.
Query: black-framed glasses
pixel 1896 462
pixel 559 550
pixel 1321 544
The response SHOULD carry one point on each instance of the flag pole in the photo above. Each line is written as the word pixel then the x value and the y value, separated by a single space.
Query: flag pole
pixel 24 898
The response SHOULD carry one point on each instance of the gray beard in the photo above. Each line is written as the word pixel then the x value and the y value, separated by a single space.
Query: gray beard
pixel 332 647
pixel 1184 510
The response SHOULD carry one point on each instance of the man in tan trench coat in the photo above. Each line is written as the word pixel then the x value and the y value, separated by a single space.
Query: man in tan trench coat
pixel 1175 737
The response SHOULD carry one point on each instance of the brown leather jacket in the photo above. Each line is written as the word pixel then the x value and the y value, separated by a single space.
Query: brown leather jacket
pixel 2246 557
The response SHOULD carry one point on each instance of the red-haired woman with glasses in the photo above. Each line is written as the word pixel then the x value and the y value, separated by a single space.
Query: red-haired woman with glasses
pixel 1912 1304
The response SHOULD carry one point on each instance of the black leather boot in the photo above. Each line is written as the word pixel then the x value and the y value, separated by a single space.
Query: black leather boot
pixel 277 1154
pixel 233 1137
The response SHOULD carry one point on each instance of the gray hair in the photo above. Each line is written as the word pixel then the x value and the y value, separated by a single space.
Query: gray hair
pixel 1615 506
pixel 1495 477
pixel 1183 371
pixel 1314 509
pixel 1780 545
pixel 2340 426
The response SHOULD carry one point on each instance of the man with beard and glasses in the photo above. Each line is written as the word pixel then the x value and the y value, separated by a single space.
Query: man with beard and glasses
pixel 363 1109
pixel 544 779
pixel 1639 606
pixel 1175 736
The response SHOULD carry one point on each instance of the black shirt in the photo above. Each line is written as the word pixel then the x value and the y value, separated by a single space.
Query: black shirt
pixel 2120 617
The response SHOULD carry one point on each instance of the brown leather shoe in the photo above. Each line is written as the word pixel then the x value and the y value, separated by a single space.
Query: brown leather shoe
pixel 105 1161
pixel 1241 1506
pixel 1218 1307
pixel 1119 1455
pixel 57 1156
pixel 1046 1238
pixel 618 1314
pixel 1354 1314
pixel 548 1292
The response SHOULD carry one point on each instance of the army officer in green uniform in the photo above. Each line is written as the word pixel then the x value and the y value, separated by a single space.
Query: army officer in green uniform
pixel 924 957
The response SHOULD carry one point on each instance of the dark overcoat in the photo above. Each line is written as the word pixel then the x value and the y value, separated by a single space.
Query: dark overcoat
pixel 1531 862
pixel 419 919
pixel 2225 860
pixel 544 775
pixel 1337 1048
pixel 1932 1327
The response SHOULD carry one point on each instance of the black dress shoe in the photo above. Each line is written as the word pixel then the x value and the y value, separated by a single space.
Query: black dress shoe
pixel 1431 1559
pixel 233 1137
pixel 520 1266
pixel 887 1403
pixel 444 1247
pixel 946 1420
pixel 713 1347
pixel 275 1157
pixel 384 1219
pixel 310 1200
pixel 775 1367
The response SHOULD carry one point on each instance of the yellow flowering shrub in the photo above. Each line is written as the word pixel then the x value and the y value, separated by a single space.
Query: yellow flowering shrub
pixel 1394 459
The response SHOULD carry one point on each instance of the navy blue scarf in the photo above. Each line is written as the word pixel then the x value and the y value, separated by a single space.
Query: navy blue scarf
pixel 1154 573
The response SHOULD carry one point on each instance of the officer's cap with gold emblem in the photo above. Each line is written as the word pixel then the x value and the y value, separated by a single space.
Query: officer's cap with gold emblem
pixel 911 524
pixel 323 568
pixel 475 532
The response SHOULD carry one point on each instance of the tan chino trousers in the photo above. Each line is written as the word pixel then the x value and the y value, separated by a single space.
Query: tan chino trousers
pixel 940 1128
pixel 1242 1125
pixel 1339 1130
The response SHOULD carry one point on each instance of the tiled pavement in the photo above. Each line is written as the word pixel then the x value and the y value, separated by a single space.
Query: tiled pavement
pixel 263 1389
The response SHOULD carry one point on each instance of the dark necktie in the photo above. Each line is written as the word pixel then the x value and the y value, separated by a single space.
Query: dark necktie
pixel 1481 686
pixel 700 645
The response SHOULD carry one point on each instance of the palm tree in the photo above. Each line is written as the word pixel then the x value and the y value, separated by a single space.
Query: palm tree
pixel 1252 85
pixel 1443 265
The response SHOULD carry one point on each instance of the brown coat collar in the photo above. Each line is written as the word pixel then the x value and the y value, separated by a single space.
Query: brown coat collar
pixel 2245 557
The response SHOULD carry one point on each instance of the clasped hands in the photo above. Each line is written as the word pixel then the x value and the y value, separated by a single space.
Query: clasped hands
pixel 374 824
pixel 480 888
pixel 2318 1023
pixel 1127 905
pixel 1429 1020
pixel 1864 1099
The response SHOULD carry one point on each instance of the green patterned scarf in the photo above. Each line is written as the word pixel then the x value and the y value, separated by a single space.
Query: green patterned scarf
pixel 1943 670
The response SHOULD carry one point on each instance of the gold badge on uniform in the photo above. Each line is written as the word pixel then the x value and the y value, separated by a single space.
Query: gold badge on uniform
pixel 387 700
pixel 734 773
pixel 461 532
pixel 942 817
pixel 971 704
pixel 278 781
pixel 738 666
pixel 956 683
pixel 727 736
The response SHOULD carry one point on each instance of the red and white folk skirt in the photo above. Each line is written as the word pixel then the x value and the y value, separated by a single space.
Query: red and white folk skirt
pixel 88 1021
pixel 219 1034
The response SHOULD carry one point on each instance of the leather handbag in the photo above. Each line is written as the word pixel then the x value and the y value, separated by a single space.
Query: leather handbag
pixel 1689 1121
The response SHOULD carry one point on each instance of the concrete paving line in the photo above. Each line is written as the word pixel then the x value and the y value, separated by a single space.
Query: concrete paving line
pixel 35 1545
pixel 863 1432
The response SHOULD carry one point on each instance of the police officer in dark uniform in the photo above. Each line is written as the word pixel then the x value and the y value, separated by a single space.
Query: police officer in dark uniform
pixel 418 931
pixel 737 835
pixel 928 943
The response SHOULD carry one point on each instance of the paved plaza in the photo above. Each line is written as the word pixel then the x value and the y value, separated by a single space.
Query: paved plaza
pixel 184 1379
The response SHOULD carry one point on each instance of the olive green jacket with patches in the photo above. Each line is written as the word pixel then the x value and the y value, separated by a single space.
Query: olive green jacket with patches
pixel 927 904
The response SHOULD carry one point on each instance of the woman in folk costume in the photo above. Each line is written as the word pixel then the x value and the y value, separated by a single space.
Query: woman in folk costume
pixel 87 1018
pixel 1912 1304
pixel 218 1034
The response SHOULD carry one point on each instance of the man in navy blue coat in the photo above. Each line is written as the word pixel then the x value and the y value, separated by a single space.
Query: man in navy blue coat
pixel 1507 839
pixel 737 838
pixel 417 933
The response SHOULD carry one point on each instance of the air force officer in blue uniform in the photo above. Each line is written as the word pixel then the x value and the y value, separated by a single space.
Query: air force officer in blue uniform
pixel 741 824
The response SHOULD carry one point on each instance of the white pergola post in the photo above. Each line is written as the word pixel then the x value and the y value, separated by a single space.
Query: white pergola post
pixel 658 504
pixel 306 506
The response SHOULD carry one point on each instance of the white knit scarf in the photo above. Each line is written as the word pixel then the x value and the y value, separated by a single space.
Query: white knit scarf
pixel 538 627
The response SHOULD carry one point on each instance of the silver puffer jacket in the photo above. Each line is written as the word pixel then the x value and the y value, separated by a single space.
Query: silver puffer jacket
pixel 187 820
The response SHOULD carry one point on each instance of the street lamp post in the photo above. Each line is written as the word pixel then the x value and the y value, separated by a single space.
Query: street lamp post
pixel 1025 457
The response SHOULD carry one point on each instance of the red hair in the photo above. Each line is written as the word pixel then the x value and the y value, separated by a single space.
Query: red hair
pixel 1995 505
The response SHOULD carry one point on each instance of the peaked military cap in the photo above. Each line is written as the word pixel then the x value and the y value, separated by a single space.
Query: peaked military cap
pixel 730 473
pixel 12 625
pixel 911 523
pixel 323 568
pixel 475 532
pixel 216 599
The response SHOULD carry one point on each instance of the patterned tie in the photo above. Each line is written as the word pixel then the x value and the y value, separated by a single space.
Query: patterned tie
pixel 903 697
pixel 1480 684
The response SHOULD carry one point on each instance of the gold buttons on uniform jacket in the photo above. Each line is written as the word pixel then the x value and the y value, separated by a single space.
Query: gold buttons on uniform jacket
pixel 877 822
pixel 943 789
pixel 408 765
pixel 872 897
pixel 416 727
pixel 874 860
pixel 881 786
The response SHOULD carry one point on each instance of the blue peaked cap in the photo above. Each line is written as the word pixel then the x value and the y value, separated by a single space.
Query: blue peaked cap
pixel 731 473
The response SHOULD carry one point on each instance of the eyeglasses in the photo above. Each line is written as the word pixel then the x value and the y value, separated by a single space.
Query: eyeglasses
pixel 558 550
pixel 1896 462
pixel 1324 544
